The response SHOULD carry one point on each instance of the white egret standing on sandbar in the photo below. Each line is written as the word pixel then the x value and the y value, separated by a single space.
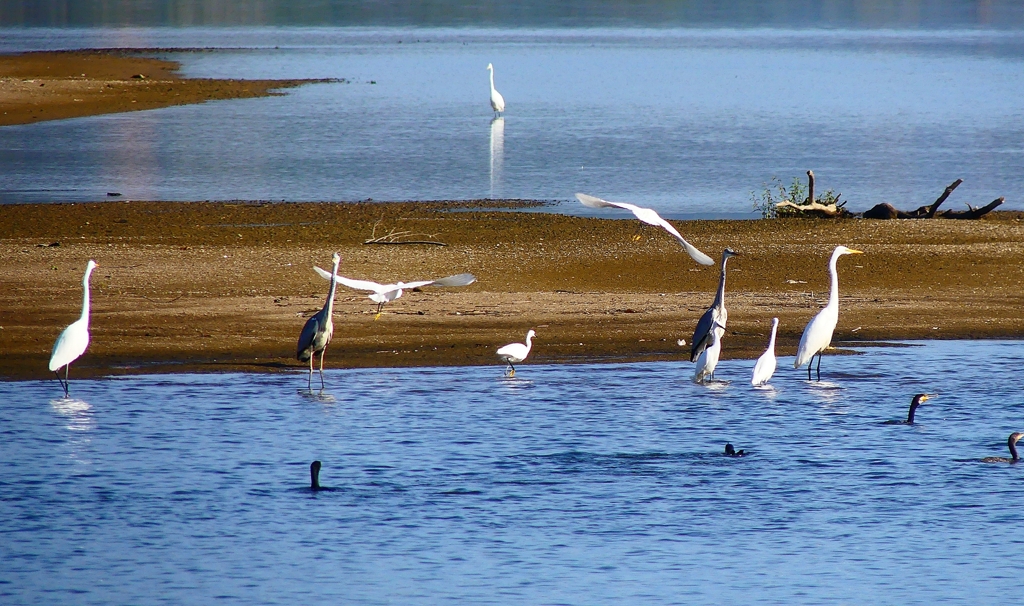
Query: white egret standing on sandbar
pixel 818 334
pixel 765 367
pixel 497 101
pixel 385 293
pixel 708 359
pixel 318 330
pixel 650 217
pixel 715 314
pixel 72 342
pixel 514 353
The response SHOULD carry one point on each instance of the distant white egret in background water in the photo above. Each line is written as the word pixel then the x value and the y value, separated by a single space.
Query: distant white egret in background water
pixel 708 359
pixel 384 293
pixel 497 101
pixel 649 217
pixel 765 367
pixel 72 342
pixel 319 329
pixel 514 353
pixel 1011 443
pixel 716 314
pixel 818 334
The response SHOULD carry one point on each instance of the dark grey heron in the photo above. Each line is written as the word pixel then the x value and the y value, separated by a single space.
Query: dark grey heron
pixel 716 314
pixel 918 400
pixel 319 329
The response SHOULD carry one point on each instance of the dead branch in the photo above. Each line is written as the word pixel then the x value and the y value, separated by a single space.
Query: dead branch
pixel 395 237
pixel 888 211
pixel 972 213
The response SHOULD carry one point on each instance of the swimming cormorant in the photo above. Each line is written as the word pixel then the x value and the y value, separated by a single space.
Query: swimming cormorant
pixel 1012 444
pixel 918 400
pixel 732 452
pixel 314 476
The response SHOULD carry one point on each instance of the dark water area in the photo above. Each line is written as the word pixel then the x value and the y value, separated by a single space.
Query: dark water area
pixel 588 484
pixel 926 14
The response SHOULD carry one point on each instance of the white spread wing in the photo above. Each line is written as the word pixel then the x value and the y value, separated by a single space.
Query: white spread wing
pixel 356 284
pixel 651 217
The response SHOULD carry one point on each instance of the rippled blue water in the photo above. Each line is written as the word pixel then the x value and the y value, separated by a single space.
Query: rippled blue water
pixel 688 121
pixel 582 484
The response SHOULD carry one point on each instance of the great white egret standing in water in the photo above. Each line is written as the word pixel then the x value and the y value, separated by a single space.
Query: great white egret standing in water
pixel 818 333
pixel 497 101
pixel 650 217
pixel 708 359
pixel 72 342
pixel 715 314
pixel 385 293
pixel 514 353
pixel 319 329
pixel 765 367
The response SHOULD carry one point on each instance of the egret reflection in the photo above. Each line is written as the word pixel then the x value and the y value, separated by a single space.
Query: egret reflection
pixel 77 413
pixel 497 153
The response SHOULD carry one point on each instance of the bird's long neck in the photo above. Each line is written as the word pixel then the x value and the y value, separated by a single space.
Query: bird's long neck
pixel 85 296
pixel 1013 449
pixel 913 409
pixel 720 296
pixel 833 295
pixel 529 342
pixel 330 294
pixel 492 79
pixel 771 340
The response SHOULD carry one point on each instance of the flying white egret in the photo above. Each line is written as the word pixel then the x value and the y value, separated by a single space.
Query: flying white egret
pixel 497 101
pixel 385 293
pixel 650 217
pixel 318 330
pixel 514 353
pixel 708 359
pixel 72 342
pixel 715 314
pixel 765 366
pixel 818 333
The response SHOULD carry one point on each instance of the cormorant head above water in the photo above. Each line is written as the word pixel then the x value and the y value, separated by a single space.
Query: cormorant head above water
pixel 1011 443
pixel 730 451
pixel 918 400
pixel 314 475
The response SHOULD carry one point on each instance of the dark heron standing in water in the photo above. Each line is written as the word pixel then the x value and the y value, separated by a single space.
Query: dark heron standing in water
pixel 319 329
pixel 715 314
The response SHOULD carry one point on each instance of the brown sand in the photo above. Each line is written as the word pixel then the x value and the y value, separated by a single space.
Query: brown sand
pixel 57 85
pixel 227 286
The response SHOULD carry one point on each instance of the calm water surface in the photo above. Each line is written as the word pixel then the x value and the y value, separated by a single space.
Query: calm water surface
pixel 689 121
pixel 579 484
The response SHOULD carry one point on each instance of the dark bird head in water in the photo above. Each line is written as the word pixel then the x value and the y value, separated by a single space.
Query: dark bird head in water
pixel 1011 443
pixel 314 475
pixel 732 452
pixel 918 400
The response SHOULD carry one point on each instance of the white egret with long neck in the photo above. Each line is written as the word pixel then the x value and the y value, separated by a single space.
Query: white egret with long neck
pixel 514 353
pixel 318 330
pixel 765 366
pixel 717 313
pixel 497 101
pixel 650 217
pixel 818 333
pixel 75 339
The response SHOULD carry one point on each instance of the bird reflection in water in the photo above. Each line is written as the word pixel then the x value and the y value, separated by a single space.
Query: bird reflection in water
pixel 497 154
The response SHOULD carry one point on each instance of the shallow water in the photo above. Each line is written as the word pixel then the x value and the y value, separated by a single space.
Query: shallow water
pixel 688 121
pixel 569 484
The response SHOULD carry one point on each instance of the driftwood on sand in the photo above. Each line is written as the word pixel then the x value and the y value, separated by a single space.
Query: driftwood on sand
pixel 812 208
pixel 888 211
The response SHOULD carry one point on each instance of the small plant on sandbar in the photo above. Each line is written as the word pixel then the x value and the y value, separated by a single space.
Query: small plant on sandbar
pixel 776 200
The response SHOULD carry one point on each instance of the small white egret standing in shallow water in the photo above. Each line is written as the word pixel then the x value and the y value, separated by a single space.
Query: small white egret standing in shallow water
pixel 715 314
pixel 818 333
pixel 649 217
pixel 318 330
pixel 72 342
pixel 708 359
pixel 514 353
pixel 385 293
pixel 497 101
pixel 765 367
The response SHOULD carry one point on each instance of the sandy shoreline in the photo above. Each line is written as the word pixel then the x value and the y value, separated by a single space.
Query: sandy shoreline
pixel 42 86
pixel 227 286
